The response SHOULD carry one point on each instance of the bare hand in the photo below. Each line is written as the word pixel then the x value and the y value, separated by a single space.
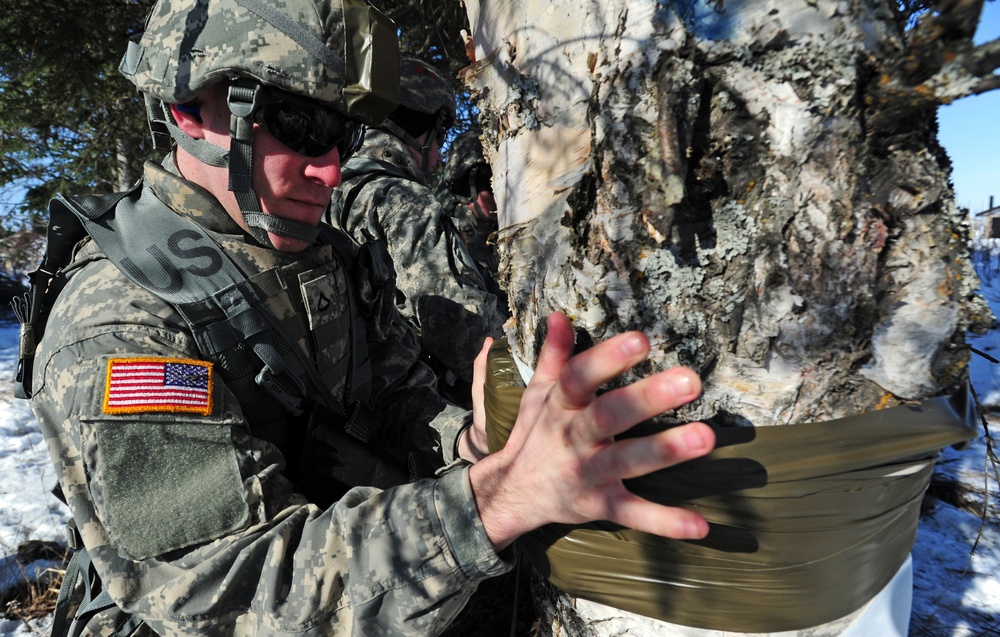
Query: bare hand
pixel 473 444
pixel 562 463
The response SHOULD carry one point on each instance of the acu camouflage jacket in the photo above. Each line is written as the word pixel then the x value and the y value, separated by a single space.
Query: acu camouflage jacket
pixel 192 516
pixel 479 235
pixel 446 299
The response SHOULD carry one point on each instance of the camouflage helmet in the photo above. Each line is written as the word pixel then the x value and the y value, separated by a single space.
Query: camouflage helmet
pixel 464 155
pixel 327 55
pixel 341 53
pixel 426 105
pixel 423 89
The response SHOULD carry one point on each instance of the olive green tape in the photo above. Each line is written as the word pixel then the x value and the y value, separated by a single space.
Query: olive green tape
pixel 808 522
pixel 371 92
pixel 501 395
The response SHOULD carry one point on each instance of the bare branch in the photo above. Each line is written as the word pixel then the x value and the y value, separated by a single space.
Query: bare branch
pixel 939 65
pixel 986 57
pixel 941 32
pixel 961 17
pixel 988 84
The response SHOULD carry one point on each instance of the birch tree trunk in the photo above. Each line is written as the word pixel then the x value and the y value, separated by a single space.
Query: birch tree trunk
pixel 756 185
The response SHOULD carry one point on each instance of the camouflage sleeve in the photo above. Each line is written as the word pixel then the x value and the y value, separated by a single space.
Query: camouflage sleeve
pixel 402 384
pixel 189 519
pixel 478 235
pixel 446 296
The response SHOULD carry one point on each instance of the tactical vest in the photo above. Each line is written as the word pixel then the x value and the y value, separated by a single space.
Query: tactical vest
pixel 225 310
pixel 228 315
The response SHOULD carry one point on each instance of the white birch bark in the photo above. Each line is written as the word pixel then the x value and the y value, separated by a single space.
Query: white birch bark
pixel 755 184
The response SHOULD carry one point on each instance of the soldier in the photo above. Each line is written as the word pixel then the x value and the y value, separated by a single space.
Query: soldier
pixel 210 348
pixel 466 193
pixel 386 192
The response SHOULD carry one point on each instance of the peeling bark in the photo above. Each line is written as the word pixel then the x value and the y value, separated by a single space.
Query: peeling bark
pixel 757 186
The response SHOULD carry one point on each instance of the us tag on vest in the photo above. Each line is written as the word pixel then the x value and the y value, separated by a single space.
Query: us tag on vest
pixel 324 291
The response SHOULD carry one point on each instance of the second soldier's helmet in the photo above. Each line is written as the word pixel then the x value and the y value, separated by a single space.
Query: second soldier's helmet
pixel 426 104
pixel 423 89
pixel 334 62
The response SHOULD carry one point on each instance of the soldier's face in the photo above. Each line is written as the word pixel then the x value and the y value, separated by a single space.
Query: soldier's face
pixel 487 204
pixel 290 185
pixel 433 151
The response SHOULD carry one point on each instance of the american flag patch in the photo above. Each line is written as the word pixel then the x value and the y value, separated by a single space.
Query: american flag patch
pixel 141 385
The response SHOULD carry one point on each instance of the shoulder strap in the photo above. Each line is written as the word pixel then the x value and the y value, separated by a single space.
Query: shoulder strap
pixel 64 231
pixel 178 261
pixel 80 572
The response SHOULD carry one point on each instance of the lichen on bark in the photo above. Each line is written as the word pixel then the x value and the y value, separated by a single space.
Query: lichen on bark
pixel 755 185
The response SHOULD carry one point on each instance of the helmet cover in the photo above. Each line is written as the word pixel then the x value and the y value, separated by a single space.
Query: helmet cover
pixel 423 89
pixel 464 154
pixel 298 46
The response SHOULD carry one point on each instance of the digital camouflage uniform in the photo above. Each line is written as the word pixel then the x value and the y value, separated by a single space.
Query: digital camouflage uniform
pixel 191 520
pixel 446 299
pixel 479 235
pixel 457 194
pixel 196 518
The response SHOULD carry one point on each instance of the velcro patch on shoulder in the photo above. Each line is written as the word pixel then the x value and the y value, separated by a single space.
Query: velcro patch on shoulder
pixel 139 385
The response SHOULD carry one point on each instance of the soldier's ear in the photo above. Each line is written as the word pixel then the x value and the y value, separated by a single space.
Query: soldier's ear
pixel 188 118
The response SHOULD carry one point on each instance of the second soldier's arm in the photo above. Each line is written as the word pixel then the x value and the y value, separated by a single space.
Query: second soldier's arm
pixel 445 293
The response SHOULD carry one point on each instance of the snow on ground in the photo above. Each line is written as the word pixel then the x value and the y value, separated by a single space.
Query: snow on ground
pixel 956 590
pixel 27 510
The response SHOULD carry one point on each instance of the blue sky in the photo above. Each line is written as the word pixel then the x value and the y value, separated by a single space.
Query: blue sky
pixel 970 131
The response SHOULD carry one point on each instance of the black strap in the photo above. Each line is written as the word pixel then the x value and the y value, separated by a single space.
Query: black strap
pixel 95 600
pixel 63 233
pixel 60 625
pixel 195 273
pixel 242 101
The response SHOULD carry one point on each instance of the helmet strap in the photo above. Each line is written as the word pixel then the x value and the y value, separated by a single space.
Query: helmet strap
pixel 243 101
pixel 204 151
pixel 261 223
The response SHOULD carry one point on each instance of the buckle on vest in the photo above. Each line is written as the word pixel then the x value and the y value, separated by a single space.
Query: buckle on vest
pixel 73 538
pixel 267 381
pixel 374 253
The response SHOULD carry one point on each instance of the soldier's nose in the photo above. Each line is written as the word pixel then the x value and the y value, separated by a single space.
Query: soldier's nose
pixel 325 169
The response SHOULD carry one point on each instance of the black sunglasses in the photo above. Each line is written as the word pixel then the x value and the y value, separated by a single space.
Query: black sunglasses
pixel 309 129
